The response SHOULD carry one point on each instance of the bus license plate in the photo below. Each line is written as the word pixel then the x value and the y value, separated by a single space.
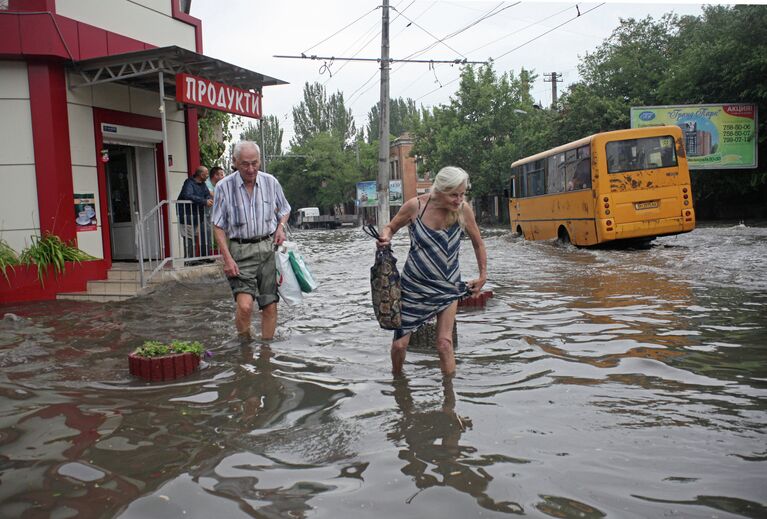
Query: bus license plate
pixel 646 205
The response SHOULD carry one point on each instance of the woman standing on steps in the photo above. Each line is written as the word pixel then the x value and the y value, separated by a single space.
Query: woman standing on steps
pixel 431 278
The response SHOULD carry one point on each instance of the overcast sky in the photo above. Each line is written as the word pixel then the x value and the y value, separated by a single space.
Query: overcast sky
pixel 249 33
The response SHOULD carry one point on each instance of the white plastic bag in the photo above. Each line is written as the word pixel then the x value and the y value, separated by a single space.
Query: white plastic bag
pixel 287 283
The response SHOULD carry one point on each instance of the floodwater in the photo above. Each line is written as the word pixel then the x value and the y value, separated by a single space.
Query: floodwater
pixel 596 383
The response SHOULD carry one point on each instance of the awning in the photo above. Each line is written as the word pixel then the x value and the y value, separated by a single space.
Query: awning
pixel 140 69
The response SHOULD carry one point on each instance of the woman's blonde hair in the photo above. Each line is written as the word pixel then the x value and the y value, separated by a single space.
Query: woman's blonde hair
pixel 449 179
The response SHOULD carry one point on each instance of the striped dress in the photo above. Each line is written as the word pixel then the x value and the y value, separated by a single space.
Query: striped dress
pixel 431 278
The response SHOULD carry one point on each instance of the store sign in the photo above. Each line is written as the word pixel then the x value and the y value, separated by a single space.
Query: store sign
pixel 716 136
pixel 197 91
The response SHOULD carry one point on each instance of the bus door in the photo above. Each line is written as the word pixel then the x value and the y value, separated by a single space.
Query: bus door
pixel 513 202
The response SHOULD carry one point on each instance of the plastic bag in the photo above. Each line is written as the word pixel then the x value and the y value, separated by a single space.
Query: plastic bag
pixel 305 279
pixel 287 283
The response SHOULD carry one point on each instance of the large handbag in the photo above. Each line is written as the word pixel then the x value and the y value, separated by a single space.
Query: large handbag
pixel 385 286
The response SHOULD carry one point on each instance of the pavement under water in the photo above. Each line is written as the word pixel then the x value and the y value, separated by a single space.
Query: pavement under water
pixel 618 383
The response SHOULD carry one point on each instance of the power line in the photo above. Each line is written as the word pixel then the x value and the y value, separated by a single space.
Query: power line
pixel 550 30
pixel 390 60
pixel 520 30
pixel 340 30
pixel 330 76
pixel 488 14
pixel 519 46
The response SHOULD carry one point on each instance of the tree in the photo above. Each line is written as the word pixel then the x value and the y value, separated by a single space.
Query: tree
pixel 317 114
pixel 270 140
pixel 403 116
pixel 319 173
pixel 489 123
pixel 213 132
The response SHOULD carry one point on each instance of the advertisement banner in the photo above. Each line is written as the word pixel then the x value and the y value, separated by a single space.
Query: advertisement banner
pixel 367 193
pixel 716 136
pixel 85 212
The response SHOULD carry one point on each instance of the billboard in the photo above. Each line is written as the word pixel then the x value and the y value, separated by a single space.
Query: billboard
pixel 716 136
pixel 367 193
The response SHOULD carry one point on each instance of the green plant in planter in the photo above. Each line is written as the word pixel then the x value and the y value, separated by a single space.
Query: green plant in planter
pixel 51 250
pixel 159 349
pixel 8 259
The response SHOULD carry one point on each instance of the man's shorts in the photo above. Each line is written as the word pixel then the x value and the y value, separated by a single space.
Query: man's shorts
pixel 258 273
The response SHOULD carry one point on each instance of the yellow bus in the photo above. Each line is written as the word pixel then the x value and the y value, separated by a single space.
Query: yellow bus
pixel 620 185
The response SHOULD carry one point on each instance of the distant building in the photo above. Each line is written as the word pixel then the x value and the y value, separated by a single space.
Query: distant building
pixel 697 143
pixel 402 166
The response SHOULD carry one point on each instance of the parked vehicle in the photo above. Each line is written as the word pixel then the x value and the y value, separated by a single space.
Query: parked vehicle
pixel 310 218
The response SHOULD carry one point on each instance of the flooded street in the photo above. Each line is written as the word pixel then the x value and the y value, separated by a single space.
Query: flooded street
pixel 596 383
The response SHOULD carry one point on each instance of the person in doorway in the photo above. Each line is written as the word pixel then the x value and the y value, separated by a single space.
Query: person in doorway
pixel 191 216
pixel 249 217
pixel 431 279
pixel 216 174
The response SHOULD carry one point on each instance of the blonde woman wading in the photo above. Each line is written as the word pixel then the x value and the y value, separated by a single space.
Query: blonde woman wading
pixel 431 278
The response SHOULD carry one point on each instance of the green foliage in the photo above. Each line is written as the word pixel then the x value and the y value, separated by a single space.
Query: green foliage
pixel 488 124
pixel 51 250
pixel 718 57
pixel 8 258
pixel 403 117
pixel 319 114
pixel 324 174
pixel 268 134
pixel 158 349
pixel 213 130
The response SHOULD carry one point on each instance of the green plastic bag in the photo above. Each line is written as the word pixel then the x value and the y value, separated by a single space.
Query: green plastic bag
pixel 305 279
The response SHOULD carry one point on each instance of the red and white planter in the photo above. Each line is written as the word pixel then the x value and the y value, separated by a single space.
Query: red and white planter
pixel 165 368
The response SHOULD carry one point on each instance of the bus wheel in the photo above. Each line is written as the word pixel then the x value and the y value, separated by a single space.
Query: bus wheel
pixel 563 236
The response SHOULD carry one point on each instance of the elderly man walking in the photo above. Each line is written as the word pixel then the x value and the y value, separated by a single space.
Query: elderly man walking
pixel 249 216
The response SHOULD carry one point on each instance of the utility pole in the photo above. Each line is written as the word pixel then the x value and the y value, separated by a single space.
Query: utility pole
pixel 553 78
pixel 382 185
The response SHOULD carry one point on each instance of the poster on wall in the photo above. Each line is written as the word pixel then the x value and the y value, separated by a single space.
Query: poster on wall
pixel 367 193
pixel 716 136
pixel 85 212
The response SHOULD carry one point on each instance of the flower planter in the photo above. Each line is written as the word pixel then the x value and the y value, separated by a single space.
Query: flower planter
pixel 165 368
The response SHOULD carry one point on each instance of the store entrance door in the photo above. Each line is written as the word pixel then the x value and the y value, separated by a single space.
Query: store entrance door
pixel 123 201
pixel 132 190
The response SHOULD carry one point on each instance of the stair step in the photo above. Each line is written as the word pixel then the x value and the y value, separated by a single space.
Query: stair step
pixel 86 296
pixel 128 288
pixel 123 275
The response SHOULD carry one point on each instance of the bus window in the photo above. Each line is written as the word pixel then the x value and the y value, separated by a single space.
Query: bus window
pixel 638 154
pixel 570 162
pixel 555 182
pixel 582 175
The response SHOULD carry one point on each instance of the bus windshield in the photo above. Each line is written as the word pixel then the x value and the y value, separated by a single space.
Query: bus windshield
pixel 640 154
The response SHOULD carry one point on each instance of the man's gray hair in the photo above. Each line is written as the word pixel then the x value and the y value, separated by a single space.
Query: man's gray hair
pixel 238 149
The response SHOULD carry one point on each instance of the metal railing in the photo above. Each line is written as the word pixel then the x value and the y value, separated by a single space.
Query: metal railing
pixel 189 234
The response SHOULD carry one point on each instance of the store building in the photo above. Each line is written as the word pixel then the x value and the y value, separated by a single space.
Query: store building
pixel 99 124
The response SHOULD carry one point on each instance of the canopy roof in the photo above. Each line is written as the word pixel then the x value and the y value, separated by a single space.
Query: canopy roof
pixel 140 69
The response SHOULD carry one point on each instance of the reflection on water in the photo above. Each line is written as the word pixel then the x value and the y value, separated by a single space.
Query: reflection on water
pixel 622 383
pixel 433 453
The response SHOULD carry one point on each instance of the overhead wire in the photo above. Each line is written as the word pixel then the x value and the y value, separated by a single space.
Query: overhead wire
pixel 366 44
pixel 520 46
pixel 486 15
pixel 340 30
